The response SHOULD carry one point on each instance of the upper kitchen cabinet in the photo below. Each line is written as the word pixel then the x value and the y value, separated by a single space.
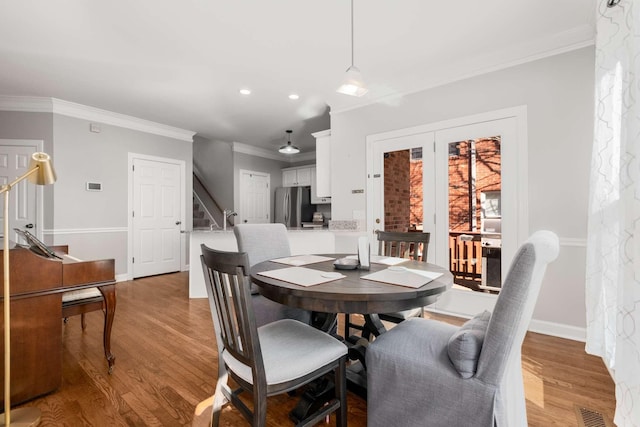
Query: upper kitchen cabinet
pixel 323 163
pixel 296 177
pixel 315 199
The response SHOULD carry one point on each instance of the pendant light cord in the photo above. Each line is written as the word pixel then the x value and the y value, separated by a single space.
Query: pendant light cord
pixel 352 33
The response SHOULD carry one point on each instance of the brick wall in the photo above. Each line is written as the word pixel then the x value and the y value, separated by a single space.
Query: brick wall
pixel 403 192
pixel 397 191
pixel 487 179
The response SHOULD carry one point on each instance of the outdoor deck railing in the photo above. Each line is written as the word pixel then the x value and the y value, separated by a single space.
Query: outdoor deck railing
pixel 465 258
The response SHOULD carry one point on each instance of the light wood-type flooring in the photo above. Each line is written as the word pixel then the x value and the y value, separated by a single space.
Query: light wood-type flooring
pixel 166 364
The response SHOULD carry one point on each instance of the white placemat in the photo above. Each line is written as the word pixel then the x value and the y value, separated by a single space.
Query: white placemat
pixel 386 260
pixel 302 276
pixel 402 276
pixel 299 260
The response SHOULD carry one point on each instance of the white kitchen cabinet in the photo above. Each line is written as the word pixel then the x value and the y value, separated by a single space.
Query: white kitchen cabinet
pixel 315 199
pixel 296 177
pixel 304 176
pixel 289 177
pixel 323 163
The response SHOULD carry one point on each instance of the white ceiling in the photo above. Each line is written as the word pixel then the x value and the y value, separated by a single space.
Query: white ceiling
pixel 181 63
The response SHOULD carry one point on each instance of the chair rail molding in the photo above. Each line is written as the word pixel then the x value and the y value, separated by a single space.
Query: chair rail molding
pixel 61 231
pixel 579 242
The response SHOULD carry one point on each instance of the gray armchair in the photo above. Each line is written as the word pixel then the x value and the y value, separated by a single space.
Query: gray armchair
pixel 425 372
pixel 263 242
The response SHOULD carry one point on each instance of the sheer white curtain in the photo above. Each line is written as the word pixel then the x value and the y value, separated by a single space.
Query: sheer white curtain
pixel 613 245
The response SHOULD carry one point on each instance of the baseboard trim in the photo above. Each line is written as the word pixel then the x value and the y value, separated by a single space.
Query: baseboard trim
pixel 447 313
pixel 123 277
pixel 559 330
pixel 544 327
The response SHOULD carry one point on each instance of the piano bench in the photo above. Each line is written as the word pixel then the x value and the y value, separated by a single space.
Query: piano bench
pixel 81 302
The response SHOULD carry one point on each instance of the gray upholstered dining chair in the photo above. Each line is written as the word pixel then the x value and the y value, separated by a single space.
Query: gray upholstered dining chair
pixel 272 359
pixel 263 242
pixel 425 371
pixel 413 245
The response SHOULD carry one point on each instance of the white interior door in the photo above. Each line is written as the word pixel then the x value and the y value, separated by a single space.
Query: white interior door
pixel 255 197
pixel 157 186
pixel 14 162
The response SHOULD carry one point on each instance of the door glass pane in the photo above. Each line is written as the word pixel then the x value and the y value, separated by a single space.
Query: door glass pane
pixel 403 190
pixel 475 213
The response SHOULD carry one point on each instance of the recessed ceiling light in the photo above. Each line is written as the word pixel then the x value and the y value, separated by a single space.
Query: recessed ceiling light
pixel 245 91
pixel 294 96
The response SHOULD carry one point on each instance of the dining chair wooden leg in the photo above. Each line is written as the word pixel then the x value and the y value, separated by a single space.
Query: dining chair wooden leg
pixel 83 323
pixel 219 399
pixel 203 410
pixel 259 407
pixel 341 393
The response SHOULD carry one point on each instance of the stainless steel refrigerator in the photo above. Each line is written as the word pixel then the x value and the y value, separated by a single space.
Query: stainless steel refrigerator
pixel 293 206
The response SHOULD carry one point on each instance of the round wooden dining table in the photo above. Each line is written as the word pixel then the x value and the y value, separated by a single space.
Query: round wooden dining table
pixel 351 294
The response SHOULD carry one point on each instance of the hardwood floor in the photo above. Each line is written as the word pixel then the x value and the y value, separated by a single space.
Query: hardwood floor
pixel 166 364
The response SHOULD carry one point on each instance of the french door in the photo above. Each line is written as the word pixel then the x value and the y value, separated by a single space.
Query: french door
pixel 400 166
pixel 481 159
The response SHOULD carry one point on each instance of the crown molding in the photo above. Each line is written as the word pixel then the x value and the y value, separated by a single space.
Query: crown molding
pixel 321 133
pixel 239 147
pixel 30 104
pixel 548 46
pixel 34 104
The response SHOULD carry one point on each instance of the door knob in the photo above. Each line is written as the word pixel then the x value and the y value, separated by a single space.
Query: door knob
pixel 178 222
pixel 377 220
pixel 28 226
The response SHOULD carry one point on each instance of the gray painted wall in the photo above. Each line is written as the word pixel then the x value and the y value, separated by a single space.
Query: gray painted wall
pixel 214 160
pixel 558 93
pixel 93 224
pixel 220 167
pixel 107 154
pixel 19 125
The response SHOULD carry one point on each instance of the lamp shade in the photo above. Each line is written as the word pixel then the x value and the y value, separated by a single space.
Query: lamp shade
pixel 353 84
pixel 45 174
pixel 288 148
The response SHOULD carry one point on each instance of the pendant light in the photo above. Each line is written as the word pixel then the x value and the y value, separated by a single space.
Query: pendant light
pixel 353 84
pixel 289 149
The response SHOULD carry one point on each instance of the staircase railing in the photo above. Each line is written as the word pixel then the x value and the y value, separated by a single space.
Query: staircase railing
pixel 214 223
pixel 207 201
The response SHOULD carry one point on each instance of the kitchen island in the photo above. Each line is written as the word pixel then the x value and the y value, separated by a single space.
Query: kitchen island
pixel 302 240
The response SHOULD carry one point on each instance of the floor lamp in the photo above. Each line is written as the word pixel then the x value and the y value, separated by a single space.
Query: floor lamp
pixel 40 172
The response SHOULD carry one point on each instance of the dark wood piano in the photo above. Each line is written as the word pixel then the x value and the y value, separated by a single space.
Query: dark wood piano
pixel 37 285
